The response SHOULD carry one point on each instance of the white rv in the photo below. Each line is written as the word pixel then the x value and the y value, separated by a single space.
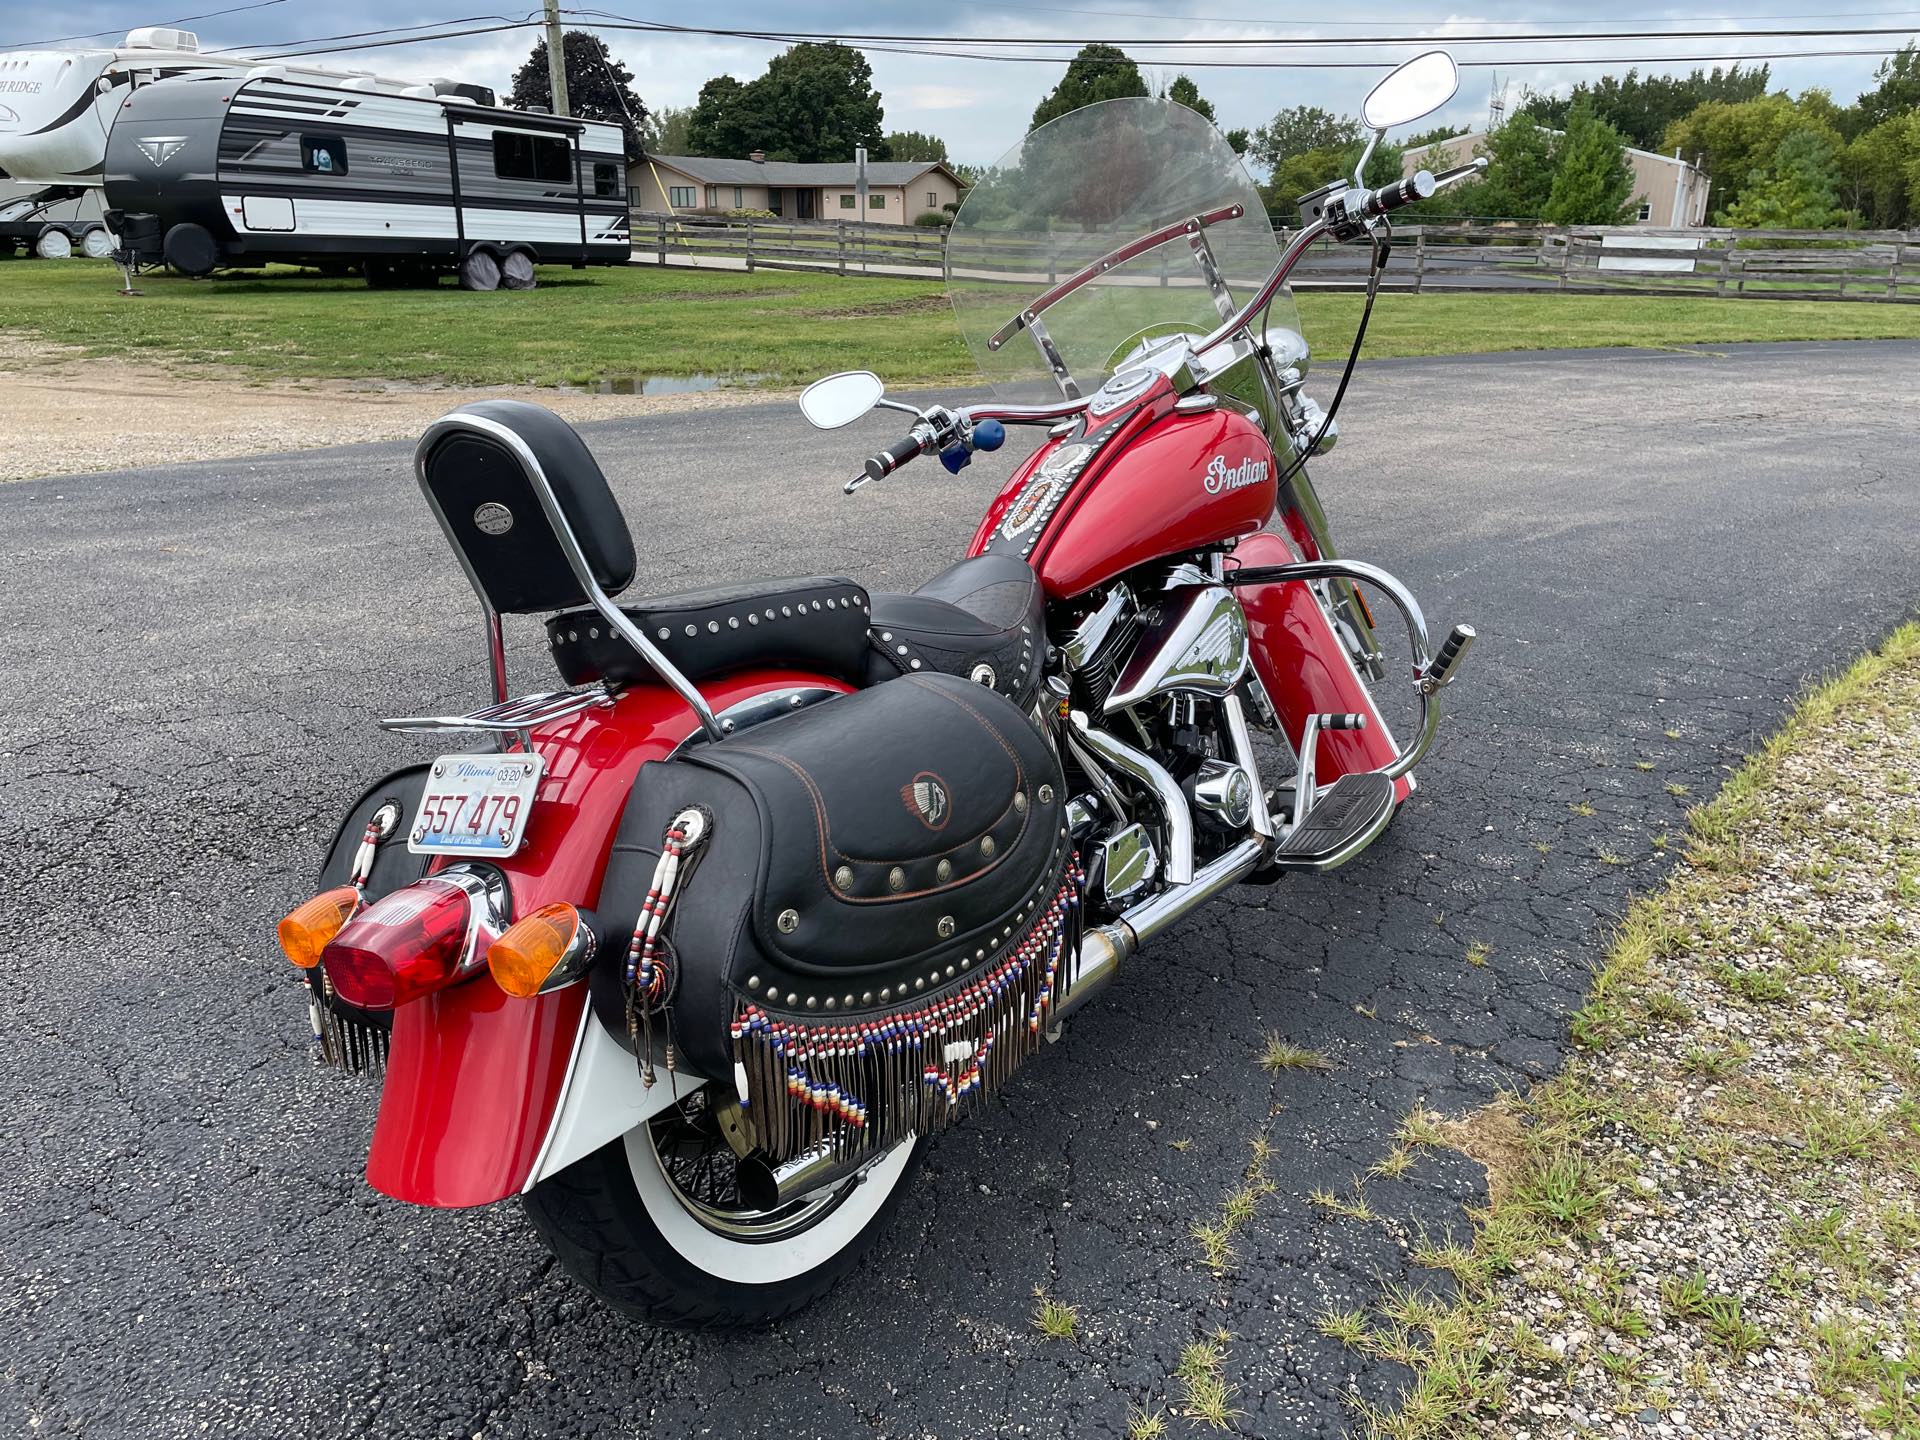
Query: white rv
pixel 58 105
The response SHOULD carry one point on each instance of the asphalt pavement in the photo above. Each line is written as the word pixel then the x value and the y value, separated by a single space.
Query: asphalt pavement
pixel 1659 550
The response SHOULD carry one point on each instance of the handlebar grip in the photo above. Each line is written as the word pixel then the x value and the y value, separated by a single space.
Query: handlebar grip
pixel 892 458
pixel 1418 186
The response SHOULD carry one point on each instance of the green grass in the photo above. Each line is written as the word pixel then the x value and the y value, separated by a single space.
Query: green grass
pixel 784 327
pixel 1053 1318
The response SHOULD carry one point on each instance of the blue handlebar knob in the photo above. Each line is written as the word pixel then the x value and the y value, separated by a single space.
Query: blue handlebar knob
pixel 989 435
pixel 956 458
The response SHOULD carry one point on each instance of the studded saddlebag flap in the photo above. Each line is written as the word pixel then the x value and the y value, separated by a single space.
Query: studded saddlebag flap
pixel 880 909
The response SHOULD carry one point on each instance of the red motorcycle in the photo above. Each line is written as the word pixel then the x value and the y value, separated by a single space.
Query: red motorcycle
pixel 695 954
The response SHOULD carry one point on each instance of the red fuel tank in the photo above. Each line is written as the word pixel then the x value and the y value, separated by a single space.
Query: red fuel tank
pixel 1176 483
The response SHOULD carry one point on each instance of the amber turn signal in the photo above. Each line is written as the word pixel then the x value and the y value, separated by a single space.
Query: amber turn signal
pixel 310 927
pixel 543 951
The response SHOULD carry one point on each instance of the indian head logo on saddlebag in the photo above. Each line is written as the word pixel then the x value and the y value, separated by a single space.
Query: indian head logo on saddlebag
pixel 926 796
pixel 160 148
pixel 1221 476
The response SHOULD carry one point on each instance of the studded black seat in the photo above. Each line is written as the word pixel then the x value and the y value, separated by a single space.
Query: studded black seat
pixel 815 622
pixel 980 619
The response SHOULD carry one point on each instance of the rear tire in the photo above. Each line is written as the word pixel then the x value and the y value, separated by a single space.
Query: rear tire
pixel 53 245
pixel 638 1237
pixel 96 244
pixel 479 271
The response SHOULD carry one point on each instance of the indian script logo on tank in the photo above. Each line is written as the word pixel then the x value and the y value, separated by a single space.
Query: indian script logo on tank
pixel 160 148
pixel 1222 477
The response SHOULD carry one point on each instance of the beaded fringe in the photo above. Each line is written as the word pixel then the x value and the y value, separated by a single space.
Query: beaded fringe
pixel 350 1044
pixel 866 1085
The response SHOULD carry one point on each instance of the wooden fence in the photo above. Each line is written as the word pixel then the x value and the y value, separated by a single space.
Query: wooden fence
pixel 1881 265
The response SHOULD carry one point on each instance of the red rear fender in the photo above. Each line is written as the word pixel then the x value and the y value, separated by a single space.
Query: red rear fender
pixel 475 1079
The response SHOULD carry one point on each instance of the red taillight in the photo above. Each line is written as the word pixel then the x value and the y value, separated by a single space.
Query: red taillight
pixel 404 945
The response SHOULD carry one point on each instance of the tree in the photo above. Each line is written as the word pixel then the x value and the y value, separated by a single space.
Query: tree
pixel 665 132
pixel 815 102
pixel 599 87
pixel 1300 174
pixel 1519 179
pixel 1431 137
pixel 1897 92
pixel 1736 141
pixel 1184 92
pixel 1642 107
pixel 1798 189
pixel 713 128
pixel 1302 129
pixel 1592 183
pixel 1239 139
pixel 1875 185
pixel 1098 72
pixel 912 145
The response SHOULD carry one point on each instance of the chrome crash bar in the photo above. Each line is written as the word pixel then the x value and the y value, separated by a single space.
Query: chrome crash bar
pixel 1432 672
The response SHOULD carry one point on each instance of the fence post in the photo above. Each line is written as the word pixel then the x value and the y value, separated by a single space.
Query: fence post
pixel 1419 259
pixel 661 239
pixel 840 243
pixel 1566 257
pixel 1893 270
pixel 1726 266
pixel 749 245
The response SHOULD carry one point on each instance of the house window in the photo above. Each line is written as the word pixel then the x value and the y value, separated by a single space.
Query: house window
pixel 1646 211
pixel 876 202
pixel 846 202
pixel 681 197
pixel 739 200
pixel 518 156
pixel 323 154
pixel 933 200
pixel 606 179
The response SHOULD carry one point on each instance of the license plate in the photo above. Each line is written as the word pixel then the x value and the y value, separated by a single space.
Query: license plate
pixel 475 805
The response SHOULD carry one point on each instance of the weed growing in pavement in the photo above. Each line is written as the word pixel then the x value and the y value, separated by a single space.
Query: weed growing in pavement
pixel 1282 1054
pixel 1053 1319
pixel 1479 953
pixel 1146 1425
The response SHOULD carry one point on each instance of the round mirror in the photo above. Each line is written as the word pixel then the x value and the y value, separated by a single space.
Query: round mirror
pixel 1419 87
pixel 840 399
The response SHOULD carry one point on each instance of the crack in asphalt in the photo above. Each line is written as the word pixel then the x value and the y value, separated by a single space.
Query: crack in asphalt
pixel 1658 552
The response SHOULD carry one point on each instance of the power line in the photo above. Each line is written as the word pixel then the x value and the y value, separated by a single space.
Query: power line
pixel 183 20
pixel 263 47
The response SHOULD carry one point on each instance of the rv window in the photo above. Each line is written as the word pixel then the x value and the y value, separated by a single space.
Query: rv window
pixel 606 179
pixel 531 157
pixel 323 154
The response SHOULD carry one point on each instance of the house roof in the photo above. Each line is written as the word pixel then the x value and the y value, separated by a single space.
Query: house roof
pixel 785 172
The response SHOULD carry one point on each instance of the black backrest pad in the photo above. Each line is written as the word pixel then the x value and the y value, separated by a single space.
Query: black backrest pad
pixel 515 557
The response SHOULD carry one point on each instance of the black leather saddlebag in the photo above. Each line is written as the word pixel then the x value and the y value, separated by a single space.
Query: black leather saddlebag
pixel 879 909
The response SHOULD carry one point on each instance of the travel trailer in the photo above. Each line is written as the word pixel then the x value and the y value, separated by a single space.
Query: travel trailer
pixel 57 106
pixel 205 172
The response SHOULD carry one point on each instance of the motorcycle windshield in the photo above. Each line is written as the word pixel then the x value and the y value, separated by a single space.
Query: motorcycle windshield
pixel 1078 190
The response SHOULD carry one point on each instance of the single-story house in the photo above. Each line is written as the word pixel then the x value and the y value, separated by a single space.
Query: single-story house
pixel 897 190
pixel 1664 186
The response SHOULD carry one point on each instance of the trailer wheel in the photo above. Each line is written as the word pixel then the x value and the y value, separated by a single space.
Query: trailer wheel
pixel 191 249
pixel 516 271
pixel 53 245
pixel 479 271
pixel 97 243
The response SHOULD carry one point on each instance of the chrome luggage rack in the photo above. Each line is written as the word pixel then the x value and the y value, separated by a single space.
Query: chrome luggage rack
pixel 508 717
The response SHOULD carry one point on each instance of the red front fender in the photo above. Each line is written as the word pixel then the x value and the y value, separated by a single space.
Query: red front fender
pixel 474 1077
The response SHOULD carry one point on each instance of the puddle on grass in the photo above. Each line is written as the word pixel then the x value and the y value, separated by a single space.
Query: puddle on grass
pixel 664 384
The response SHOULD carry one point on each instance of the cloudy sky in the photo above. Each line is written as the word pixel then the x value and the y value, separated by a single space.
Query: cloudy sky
pixel 980 106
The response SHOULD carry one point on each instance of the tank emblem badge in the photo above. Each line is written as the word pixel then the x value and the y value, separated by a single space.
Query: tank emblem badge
pixel 1221 476
pixel 926 796
pixel 1034 502
pixel 1067 460
pixel 493 518
pixel 160 148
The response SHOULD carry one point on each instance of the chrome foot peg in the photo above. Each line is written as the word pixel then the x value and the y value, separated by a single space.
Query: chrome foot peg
pixel 1439 674
pixel 1345 819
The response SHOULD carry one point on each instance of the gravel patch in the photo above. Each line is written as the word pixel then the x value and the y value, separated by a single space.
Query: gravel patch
pixel 68 414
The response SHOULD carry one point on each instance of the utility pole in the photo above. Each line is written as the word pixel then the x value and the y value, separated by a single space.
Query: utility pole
pixel 556 59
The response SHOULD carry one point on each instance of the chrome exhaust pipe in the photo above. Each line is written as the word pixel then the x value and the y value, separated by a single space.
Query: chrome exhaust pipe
pixel 767 1186
pixel 1105 947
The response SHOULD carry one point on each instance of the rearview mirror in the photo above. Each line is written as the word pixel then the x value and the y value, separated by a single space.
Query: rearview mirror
pixel 841 399
pixel 1419 87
